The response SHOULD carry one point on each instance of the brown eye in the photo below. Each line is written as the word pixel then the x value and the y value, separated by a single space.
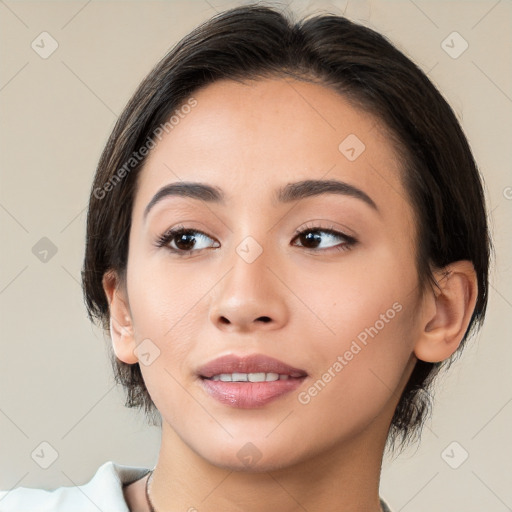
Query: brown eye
pixel 182 240
pixel 312 238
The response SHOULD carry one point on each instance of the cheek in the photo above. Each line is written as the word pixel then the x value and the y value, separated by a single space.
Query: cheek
pixel 364 340
pixel 163 312
pixel 163 298
pixel 361 294
pixel 164 322
pixel 358 371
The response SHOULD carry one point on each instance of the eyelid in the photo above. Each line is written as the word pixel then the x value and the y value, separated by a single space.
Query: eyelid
pixel 348 242
pixel 170 233
pixel 327 226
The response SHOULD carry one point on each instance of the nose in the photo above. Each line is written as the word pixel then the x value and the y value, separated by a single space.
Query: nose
pixel 250 297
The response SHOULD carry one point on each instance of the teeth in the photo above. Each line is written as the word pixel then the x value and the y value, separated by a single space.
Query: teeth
pixel 250 377
pixel 256 377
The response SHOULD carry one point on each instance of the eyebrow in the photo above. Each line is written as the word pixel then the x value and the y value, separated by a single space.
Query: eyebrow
pixel 287 194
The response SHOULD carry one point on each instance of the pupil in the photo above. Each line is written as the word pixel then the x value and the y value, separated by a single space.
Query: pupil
pixel 182 240
pixel 312 237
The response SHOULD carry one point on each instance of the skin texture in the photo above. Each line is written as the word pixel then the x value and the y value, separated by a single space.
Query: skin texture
pixel 248 140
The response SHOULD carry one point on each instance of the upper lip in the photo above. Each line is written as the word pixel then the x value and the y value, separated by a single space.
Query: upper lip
pixel 256 363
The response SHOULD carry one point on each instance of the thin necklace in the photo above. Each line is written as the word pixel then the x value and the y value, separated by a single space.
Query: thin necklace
pixel 151 507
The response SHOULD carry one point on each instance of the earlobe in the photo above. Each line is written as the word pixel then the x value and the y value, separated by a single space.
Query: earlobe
pixel 121 328
pixel 449 309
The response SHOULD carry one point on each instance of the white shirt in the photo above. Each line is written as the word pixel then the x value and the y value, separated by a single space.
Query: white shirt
pixel 103 492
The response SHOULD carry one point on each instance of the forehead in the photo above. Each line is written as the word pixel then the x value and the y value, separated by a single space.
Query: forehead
pixel 251 138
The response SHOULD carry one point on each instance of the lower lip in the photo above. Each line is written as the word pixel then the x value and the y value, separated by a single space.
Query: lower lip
pixel 249 395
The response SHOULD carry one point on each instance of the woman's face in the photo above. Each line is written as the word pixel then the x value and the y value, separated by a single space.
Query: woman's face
pixel 335 305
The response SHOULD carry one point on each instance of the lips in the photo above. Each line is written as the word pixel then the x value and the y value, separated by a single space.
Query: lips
pixel 251 364
pixel 249 382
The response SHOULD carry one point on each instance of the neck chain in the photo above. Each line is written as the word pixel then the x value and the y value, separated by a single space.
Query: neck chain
pixel 151 507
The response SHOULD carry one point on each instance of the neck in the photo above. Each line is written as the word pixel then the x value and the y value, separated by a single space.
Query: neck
pixel 344 478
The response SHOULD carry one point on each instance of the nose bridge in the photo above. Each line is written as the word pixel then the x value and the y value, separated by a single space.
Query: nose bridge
pixel 249 296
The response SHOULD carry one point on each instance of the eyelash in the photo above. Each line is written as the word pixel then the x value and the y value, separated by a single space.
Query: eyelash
pixel 168 237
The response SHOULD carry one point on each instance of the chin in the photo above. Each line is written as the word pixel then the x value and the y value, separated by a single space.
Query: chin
pixel 257 456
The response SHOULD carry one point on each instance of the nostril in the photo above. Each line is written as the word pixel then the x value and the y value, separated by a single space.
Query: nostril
pixel 226 321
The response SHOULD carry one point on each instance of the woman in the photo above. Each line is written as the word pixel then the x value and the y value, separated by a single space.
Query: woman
pixel 286 241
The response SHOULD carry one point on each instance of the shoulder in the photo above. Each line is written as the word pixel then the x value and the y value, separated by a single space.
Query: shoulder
pixel 104 491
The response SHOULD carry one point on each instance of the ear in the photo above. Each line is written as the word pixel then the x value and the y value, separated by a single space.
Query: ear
pixel 447 312
pixel 121 328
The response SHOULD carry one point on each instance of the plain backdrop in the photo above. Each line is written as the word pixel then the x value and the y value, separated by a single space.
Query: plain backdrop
pixel 56 113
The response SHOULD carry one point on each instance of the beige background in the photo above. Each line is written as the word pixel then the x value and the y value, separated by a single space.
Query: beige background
pixel 56 114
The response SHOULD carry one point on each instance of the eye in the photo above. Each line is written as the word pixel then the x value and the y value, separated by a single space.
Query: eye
pixel 185 241
pixel 314 236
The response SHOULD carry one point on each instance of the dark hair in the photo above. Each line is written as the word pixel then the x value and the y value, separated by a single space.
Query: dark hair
pixel 252 42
